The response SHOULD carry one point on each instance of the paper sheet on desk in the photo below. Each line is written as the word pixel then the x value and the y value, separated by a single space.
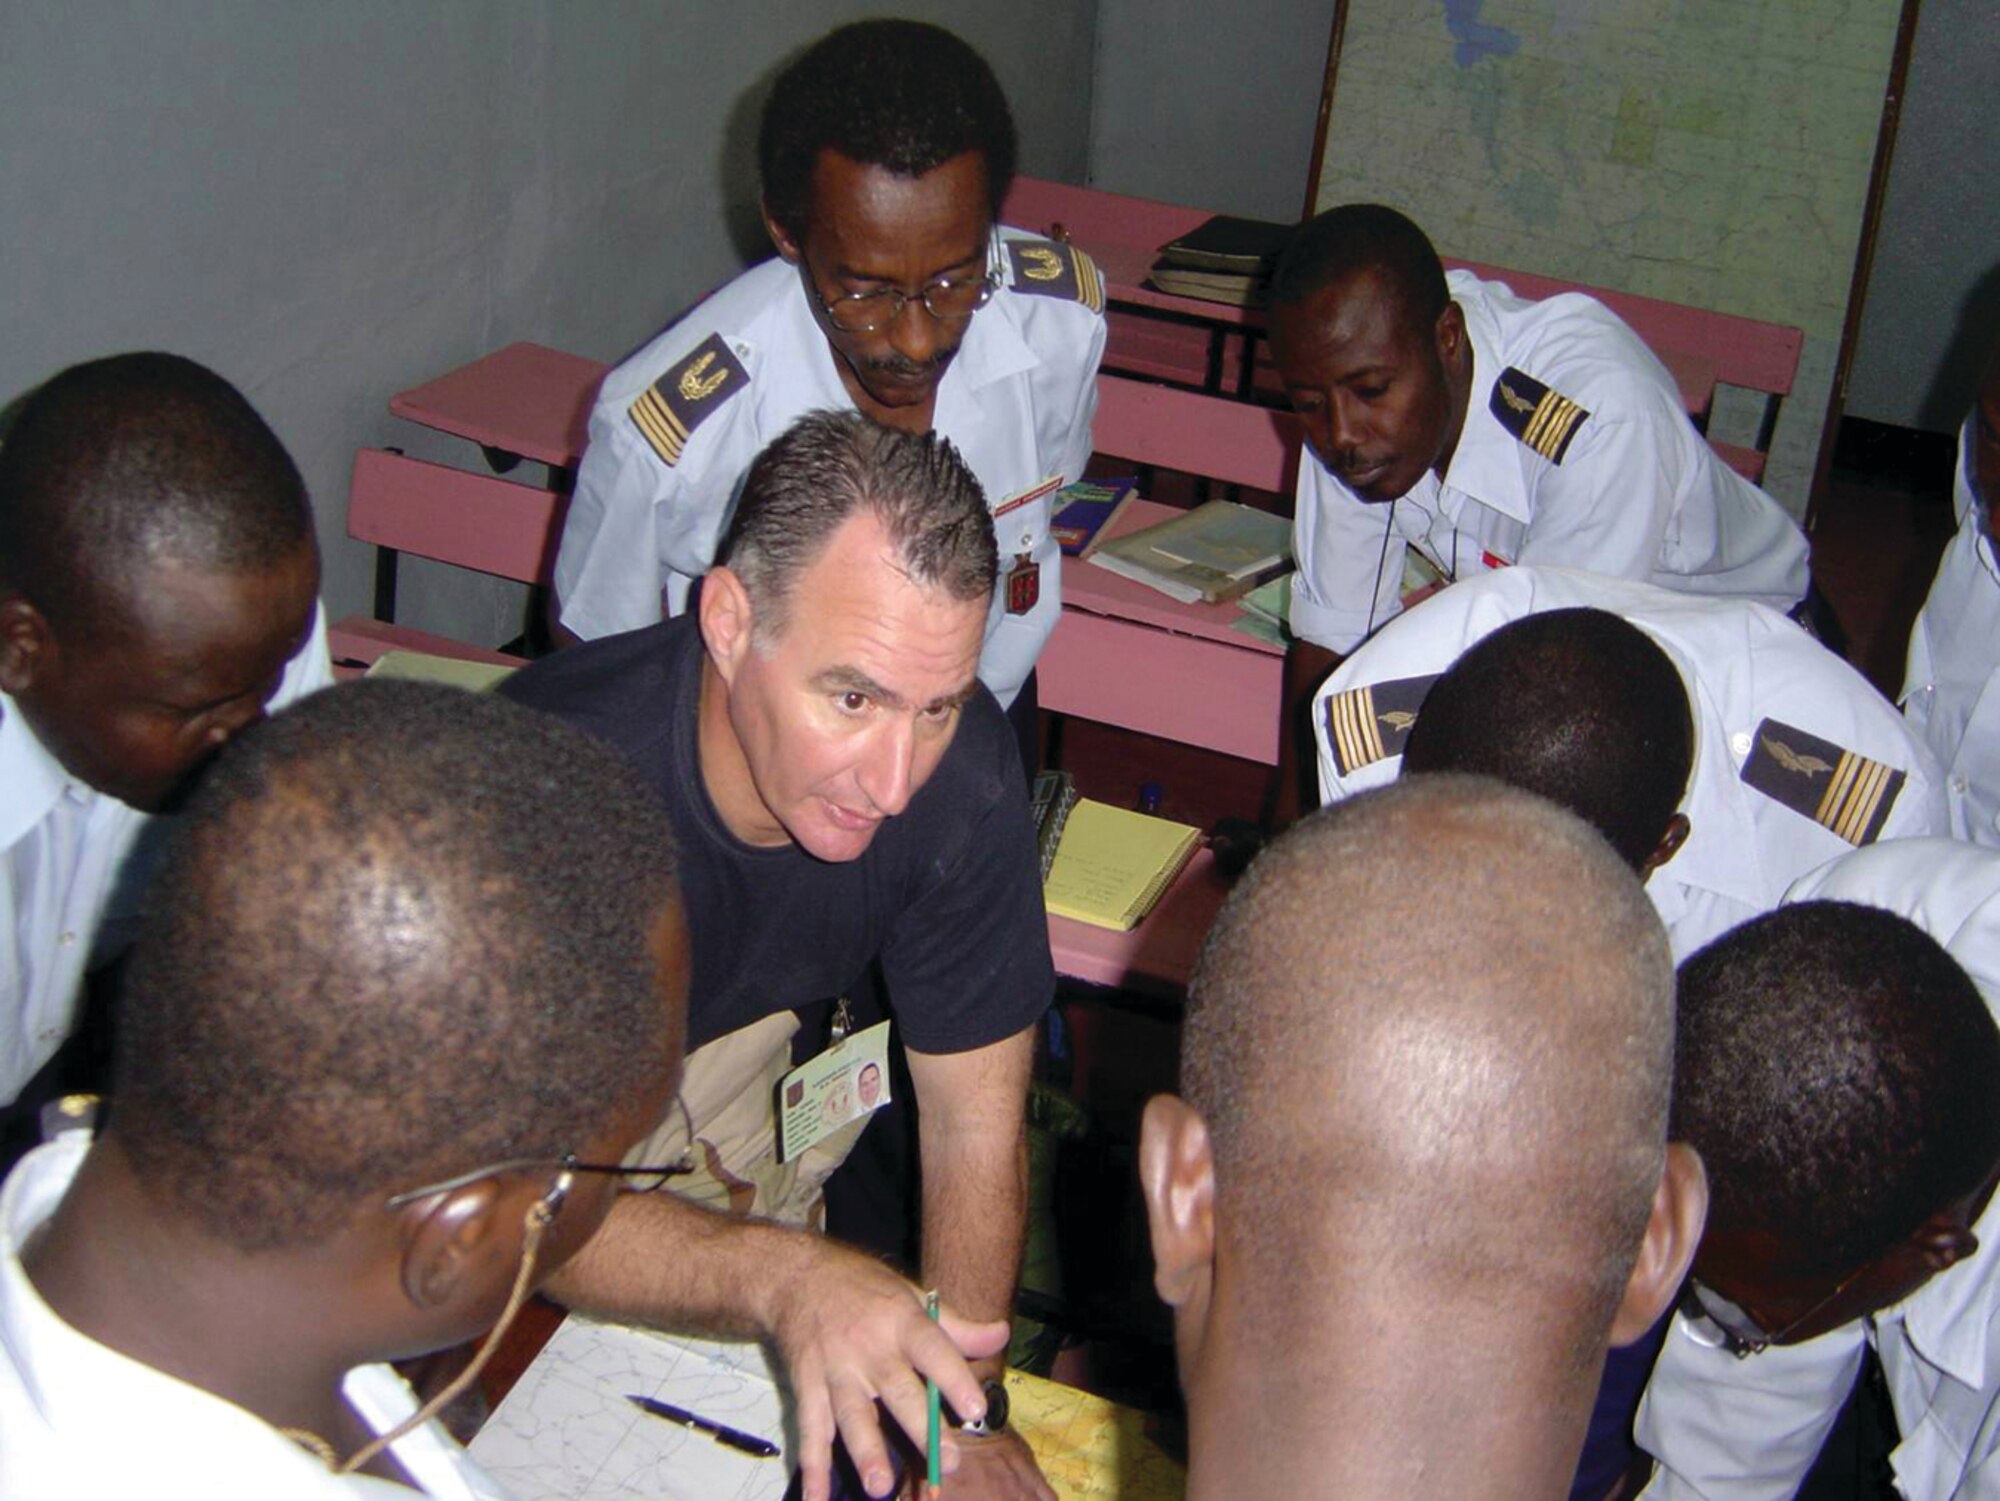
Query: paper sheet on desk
pixel 566 1431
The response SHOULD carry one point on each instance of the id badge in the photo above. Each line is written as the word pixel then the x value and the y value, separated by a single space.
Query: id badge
pixel 847 1081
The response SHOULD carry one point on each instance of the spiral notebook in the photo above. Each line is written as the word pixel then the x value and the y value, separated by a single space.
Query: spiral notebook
pixel 1113 865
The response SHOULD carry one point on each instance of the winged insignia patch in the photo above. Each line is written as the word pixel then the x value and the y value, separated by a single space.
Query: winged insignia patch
pixel 1543 419
pixel 694 386
pixel 1835 787
pixel 1368 724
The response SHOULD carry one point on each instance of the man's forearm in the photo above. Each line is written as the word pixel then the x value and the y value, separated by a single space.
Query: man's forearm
pixel 660 1260
pixel 975 1218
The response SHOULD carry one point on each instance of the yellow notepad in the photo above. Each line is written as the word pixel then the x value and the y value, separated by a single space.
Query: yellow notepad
pixel 1113 864
pixel 453 672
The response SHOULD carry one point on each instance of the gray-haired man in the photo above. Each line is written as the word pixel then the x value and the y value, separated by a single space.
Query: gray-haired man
pixel 844 791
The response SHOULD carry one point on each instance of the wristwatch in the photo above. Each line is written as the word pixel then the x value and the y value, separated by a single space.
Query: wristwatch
pixel 995 1420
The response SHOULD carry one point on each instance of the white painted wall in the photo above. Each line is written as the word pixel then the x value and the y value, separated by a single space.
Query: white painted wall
pixel 328 203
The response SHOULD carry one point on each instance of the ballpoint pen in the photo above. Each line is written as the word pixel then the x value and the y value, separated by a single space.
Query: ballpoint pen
pixel 722 1433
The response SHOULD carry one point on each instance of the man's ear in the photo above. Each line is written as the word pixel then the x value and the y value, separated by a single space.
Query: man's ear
pixel 727 620
pixel 27 645
pixel 1450 333
pixel 452 1244
pixel 1944 1240
pixel 1669 846
pixel 1177 1177
pixel 1673 1234
pixel 788 247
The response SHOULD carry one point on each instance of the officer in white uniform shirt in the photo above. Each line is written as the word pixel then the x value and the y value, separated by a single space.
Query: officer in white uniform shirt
pixel 1951 690
pixel 1751 1428
pixel 1447 415
pixel 196 610
pixel 895 293
pixel 1796 758
pixel 383 1048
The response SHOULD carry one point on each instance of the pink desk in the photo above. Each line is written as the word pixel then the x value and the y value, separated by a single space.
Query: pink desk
pixel 524 401
pixel 1156 958
pixel 1128 655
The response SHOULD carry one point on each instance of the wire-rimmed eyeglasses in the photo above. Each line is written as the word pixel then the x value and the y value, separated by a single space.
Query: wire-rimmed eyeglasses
pixel 631 1178
pixel 947 299
pixel 1716 1322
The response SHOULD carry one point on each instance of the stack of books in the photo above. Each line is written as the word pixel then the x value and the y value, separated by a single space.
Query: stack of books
pixel 1218 551
pixel 1224 259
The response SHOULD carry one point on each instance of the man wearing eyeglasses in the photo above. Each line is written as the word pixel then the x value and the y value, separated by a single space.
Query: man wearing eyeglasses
pixel 1836 1068
pixel 383 1037
pixel 885 151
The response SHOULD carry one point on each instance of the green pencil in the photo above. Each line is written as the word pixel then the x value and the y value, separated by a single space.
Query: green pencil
pixel 934 1477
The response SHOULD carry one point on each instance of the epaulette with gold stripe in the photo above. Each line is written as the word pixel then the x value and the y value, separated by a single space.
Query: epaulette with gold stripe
pixel 1545 420
pixel 1044 268
pixel 679 401
pixel 1365 725
pixel 1831 785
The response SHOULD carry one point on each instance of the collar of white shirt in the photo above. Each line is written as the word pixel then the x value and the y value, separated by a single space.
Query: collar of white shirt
pixel 1721 853
pixel 1486 464
pixel 33 778
pixel 1948 1318
pixel 83 1391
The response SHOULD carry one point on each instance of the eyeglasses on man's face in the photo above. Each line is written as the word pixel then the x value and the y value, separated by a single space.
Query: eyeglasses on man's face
pixel 631 1178
pixel 1715 1322
pixel 947 299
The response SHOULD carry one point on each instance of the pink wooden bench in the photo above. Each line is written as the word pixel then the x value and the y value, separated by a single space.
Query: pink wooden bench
pixel 1128 655
pixel 452 516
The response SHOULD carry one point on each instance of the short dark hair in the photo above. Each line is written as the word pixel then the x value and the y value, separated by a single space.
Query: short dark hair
pixel 122 464
pixel 1363 237
pixel 1577 705
pixel 402 932
pixel 901 95
pixel 830 466
pixel 1840 1076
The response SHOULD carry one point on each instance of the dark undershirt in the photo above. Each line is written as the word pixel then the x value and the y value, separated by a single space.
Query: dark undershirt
pixel 946 893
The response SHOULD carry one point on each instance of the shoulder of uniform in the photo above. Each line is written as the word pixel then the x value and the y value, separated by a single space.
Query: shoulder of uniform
pixel 690 391
pixel 1371 723
pixel 1542 418
pixel 1838 788
pixel 1047 268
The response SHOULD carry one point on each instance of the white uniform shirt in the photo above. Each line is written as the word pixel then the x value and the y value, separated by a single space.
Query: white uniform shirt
pixel 1017 401
pixel 1951 691
pixel 1638 493
pixel 1744 667
pixel 62 845
pixel 78 1418
pixel 1723 1427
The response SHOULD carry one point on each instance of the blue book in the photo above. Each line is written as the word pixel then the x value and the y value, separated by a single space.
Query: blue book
pixel 1084 509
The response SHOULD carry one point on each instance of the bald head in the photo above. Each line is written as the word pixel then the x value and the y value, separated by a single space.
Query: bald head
pixel 1505 1087
pixel 1425 1076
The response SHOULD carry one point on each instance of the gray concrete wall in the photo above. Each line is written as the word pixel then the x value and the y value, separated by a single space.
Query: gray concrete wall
pixel 1206 104
pixel 1933 309
pixel 330 203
